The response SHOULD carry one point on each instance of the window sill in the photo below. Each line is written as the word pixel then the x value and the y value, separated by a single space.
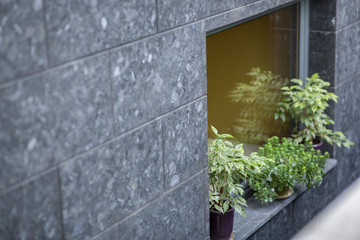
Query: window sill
pixel 259 215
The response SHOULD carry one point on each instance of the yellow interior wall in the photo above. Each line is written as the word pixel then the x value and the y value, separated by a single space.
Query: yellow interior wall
pixel 230 55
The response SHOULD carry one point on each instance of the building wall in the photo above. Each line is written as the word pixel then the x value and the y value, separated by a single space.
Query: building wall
pixel 335 54
pixel 103 113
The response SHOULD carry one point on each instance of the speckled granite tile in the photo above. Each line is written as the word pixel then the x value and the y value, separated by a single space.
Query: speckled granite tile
pixel 206 202
pixel 348 180
pixel 276 227
pixel 236 15
pixel 239 3
pixel 322 15
pixel 22 38
pixel 347 12
pixel 279 3
pixel 322 56
pixel 177 215
pixel 173 13
pixel 154 76
pixel 110 234
pixel 108 183
pixel 318 196
pixel 53 116
pixel 346 112
pixel 349 159
pixel 347 53
pixel 32 211
pixel 42 217
pixel 185 142
pixel 77 28
pixel 11 212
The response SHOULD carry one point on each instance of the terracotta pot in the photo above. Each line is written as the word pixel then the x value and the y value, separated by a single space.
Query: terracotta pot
pixel 284 193
pixel 221 225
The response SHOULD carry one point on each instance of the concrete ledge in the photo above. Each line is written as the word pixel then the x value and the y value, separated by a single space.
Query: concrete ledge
pixel 282 218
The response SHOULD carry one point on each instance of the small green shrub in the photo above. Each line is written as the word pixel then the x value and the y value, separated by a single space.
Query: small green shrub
pixel 227 167
pixel 292 163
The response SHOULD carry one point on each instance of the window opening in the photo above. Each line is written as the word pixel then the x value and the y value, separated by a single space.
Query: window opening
pixel 246 66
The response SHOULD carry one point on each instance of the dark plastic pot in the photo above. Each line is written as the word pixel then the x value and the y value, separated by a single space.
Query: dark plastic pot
pixel 221 225
pixel 317 144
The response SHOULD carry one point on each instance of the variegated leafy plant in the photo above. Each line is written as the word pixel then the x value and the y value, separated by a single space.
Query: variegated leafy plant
pixel 228 166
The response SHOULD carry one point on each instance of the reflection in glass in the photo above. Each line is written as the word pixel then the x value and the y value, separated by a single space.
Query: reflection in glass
pixel 246 66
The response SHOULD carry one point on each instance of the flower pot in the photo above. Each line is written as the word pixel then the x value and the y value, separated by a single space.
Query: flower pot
pixel 287 192
pixel 221 225
pixel 317 143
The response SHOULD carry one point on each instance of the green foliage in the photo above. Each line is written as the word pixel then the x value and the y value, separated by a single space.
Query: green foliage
pixel 306 105
pixel 255 121
pixel 292 163
pixel 227 167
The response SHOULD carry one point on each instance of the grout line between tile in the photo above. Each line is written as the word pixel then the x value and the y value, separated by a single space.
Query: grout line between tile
pixel 61 204
pixel 111 83
pixel 174 188
pixel 97 146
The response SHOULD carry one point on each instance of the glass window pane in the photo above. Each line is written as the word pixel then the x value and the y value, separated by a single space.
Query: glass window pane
pixel 246 67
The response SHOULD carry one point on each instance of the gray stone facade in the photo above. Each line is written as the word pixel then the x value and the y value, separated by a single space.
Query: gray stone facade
pixel 103 113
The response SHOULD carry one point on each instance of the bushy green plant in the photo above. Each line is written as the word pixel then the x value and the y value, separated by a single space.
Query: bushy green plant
pixel 227 167
pixel 292 163
pixel 306 104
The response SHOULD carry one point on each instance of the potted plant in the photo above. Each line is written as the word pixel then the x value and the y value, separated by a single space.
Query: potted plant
pixel 306 104
pixel 227 167
pixel 292 163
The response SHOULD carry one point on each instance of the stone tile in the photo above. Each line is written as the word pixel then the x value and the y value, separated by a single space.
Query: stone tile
pixel 258 215
pixel 349 159
pixel 279 3
pixel 235 16
pixel 316 196
pixel 32 211
pixel 322 56
pixel 240 3
pixel 347 12
pixel 110 234
pixel 11 212
pixel 250 8
pixel 177 215
pixel 173 13
pixel 53 116
pixel 276 227
pixel 260 234
pixel 323 15
pixel 42 217
pixel 347 53
pixel 155 76
pixel 346 112
pixel 103 186
pixel 348 181
pixel 206 203
pixel 185 142
pixel 95 25
pixel 281 223
pixel 299 226
pixel 22 38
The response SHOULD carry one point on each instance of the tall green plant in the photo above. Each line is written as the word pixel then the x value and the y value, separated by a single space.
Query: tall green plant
pixel 227 167
pixel 306 105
